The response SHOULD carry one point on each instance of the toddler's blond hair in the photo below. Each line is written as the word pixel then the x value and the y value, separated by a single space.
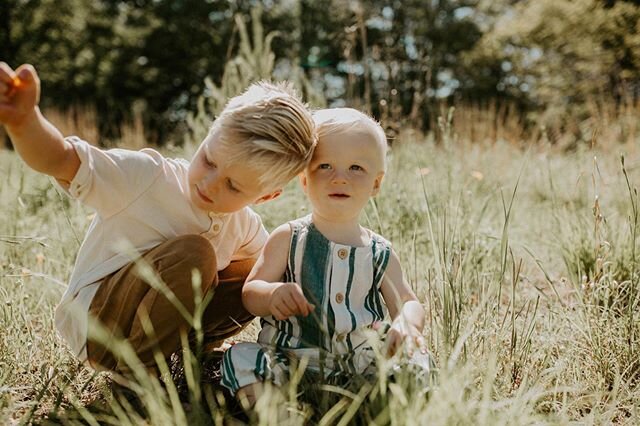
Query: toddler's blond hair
pixel 342 120
pixel 269 128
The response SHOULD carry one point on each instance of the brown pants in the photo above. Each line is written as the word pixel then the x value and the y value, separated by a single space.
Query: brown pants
pixel 124 300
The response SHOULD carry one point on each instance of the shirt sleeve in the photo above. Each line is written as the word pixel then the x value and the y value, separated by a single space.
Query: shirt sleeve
pixel 109 180
pixel 255 238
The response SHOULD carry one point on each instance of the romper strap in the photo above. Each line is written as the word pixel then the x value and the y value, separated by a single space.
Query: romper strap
pixel 381 249
pixel 289 274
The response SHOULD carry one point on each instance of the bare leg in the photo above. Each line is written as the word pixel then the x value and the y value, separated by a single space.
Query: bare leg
pixel 248 395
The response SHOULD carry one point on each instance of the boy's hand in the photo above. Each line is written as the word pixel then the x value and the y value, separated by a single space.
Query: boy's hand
pixel 288 300
pixel 19 94
pixel 401 333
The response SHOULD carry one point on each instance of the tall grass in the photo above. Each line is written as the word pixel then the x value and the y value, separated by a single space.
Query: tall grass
pixel 525 260
pixel 520 242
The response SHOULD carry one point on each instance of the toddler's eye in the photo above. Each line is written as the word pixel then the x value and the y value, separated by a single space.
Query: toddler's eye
pixel 208 162
pixel 324 166
pixel 356 168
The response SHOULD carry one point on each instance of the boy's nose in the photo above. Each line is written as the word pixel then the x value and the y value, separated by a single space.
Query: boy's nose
pixel 211 183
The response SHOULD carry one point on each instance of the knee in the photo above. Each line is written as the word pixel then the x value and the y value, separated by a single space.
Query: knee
pixel 198 253
pixel 248 395
pixel 100 358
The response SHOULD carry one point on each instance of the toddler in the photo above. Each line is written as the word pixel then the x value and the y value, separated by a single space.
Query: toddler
pixel 320 281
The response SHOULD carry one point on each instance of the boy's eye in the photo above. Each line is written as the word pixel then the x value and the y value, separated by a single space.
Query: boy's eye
pixel 356 168
pixel 324 166
pixel 208 162
pixel 231 187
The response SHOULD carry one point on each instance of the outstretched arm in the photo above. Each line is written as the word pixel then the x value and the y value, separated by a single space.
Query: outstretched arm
pixel 264 292
pixel 404 308
pixel 37 141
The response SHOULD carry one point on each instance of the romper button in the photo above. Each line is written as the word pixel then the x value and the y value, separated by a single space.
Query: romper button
pixel 216 227
pixel 340 337
pixel 339 297
pixel 342 253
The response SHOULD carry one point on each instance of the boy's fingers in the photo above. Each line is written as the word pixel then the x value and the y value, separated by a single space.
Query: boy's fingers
pixel 6 73
pixel 26 78
pixel 26 73
pixel 23 79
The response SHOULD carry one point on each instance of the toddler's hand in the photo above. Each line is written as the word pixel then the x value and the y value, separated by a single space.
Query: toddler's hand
pixel 19 93
pixel 403 333
pixel 287 300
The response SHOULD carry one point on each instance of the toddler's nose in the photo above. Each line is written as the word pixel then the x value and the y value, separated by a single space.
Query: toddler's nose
pixel 339 177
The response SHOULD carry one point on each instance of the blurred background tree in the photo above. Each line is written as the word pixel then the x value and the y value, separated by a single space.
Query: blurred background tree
pixel 401 60
pixel 567 56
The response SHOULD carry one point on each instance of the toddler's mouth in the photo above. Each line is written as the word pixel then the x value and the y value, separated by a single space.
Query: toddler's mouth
pixel 338 195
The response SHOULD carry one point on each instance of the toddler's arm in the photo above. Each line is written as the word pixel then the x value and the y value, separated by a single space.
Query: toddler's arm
pixel 404 308
pixel 37 141
pixel 264 293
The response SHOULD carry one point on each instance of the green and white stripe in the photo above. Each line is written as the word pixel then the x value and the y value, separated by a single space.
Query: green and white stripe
pixel 343 282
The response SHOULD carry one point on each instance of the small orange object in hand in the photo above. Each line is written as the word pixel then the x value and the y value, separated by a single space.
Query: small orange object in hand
pixel 16 83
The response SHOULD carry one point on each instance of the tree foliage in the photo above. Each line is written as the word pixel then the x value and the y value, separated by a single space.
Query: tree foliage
pixel 398 59
pixel 560 54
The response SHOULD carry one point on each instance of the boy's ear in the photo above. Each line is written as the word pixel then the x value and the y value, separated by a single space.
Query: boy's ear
pixel 267 197
pixel 303 181
pixel 377 183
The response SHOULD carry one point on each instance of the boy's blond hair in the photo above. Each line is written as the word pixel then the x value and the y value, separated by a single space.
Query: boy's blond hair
pixel 269 128
pixel 342 120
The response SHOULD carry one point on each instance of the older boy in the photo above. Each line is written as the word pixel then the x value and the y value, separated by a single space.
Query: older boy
pixel 179 215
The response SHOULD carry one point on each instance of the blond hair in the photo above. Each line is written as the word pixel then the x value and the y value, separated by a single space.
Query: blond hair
pixel 342 120
pixel 269 128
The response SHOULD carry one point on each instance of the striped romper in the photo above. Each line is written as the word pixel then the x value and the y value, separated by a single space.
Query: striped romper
pixel 343 282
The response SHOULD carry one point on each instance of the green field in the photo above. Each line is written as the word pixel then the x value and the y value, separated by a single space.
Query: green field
pixel 525 259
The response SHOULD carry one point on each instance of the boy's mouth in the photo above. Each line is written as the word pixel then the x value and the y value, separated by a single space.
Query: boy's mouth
pixel 204 197
pixel 339 195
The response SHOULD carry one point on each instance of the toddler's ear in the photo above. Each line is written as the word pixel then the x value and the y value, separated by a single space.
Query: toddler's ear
pixel 303 181
pixel 377 183
pixel 267 197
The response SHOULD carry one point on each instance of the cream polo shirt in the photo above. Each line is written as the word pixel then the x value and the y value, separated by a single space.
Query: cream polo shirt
pixel 141 199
